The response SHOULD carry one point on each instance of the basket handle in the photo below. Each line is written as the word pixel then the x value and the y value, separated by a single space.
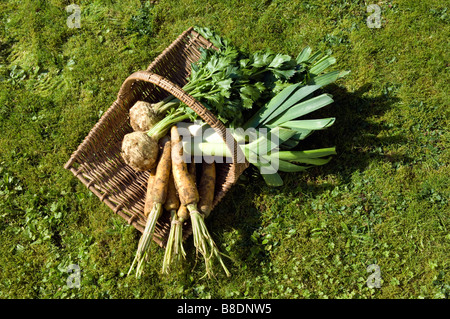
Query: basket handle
pixel 196 106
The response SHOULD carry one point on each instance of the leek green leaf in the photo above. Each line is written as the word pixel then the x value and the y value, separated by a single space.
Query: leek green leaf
pixel 273 180
pixel 303 108
pixel 300 94
pixel 298 155
pixel 304 55
pixel 322 64
pixel 318 124
pixel 274 103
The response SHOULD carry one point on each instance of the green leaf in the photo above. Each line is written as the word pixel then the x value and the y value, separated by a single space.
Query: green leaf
pixel 212 36
pixel 283 74
pixel 282 165
pixel 225 84
pixel 308 154
pixel 300 94
pixel 322 64
pixel 262 58
pixel 324 79
pixel 282 134
pixel 327 78
pixel 251 91
pixel 273 180
pixel 249 94
pixel 318 124
pixel 314 57
pixel 314 161
pixel 279 60
pixel 268 108
pixel 271 177
pixel 288 167
pixel 300 134
pixel 290 143
pixel 262 144
pixel 244 63
pixel 304 55
pixel 303 108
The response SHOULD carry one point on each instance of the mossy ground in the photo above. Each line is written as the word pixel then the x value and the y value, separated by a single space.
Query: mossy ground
pixel 382 200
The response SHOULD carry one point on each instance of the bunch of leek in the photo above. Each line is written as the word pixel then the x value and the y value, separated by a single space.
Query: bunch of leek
pixel 271 150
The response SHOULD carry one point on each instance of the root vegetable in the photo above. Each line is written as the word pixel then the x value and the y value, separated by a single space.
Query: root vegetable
pixel 184 181
pixel 148 196
pixel 172 201
pixel 174 247
pixel 143 116
pixel 158 198
pixel 140 151
pixel 189 197
pixel 206 188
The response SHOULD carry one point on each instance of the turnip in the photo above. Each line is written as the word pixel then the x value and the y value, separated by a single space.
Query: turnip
pixel 140 149
pixel 143 116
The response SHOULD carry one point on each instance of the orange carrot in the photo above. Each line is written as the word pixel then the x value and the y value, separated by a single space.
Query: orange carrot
pixel 206 188
pixel 148 196
pixel 158 196
pixel 189 197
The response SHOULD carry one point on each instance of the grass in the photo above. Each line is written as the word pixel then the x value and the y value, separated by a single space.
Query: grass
pixel 382 200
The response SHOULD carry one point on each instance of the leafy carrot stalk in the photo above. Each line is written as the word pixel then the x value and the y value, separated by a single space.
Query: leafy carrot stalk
pixel 147 208
pixel 148 204
pixel 158 197
pixel 182 216
pixel 174 248
pixel 171 205
pixel 189 197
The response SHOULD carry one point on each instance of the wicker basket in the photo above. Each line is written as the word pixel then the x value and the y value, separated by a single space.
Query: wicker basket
pixel 97 162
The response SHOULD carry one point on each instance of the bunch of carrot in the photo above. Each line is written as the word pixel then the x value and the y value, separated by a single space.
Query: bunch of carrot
pixel 172 187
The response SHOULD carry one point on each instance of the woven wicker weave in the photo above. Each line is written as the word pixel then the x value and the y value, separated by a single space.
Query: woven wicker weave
pixel 97 162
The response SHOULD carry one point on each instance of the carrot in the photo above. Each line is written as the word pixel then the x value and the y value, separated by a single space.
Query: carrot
pixel 148 196
pixel 192 169
pixel 189 197
pixel 172 201
pixel 182 216
pixel 158 197
pixel 184 181
pixel 174 246
pixel 206 188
